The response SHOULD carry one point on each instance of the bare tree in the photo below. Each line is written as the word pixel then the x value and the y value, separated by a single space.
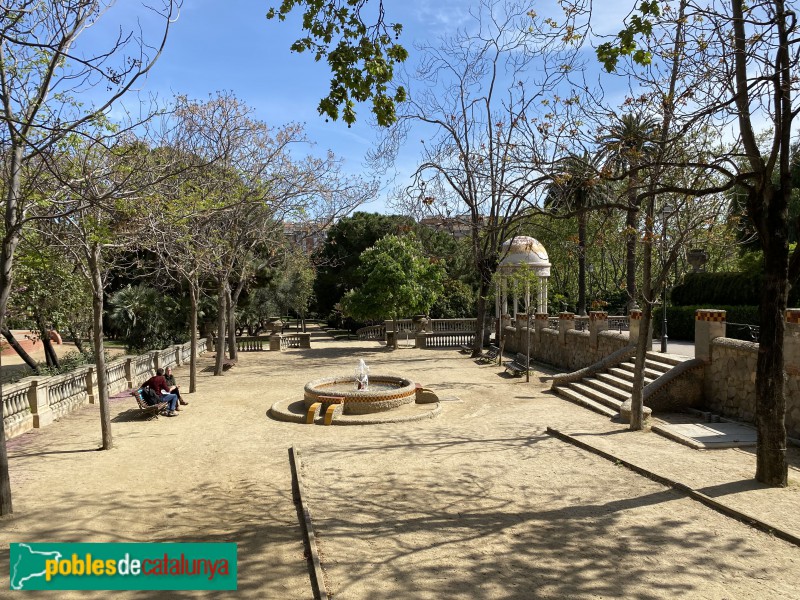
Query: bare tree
pixel 738 66
pixel 43 68
pixel 483 101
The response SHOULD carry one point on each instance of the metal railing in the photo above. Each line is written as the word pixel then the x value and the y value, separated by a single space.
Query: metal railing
pixel 743 331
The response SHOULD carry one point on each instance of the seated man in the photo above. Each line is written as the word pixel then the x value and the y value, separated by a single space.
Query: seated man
pixel 158 384
pixel 173 388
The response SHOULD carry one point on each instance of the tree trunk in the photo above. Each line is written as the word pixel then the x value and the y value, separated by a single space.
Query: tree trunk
pixel 76 339
pixel 630 255
pixel 97 339
pixel 222 284
pixel 193 299
pixel 581 264
pixel 12 341
pixel 231 317
pixel 643 342
pixel 771 465
pixel 49 353
pixel 9 245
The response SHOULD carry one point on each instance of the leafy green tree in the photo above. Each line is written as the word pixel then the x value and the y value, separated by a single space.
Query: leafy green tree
pixel 339 258
pixel 147 318
pixel 363 59
pixel 397 280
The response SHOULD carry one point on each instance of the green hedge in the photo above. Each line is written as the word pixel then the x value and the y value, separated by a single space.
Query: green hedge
pixel 680 320
pixel 731 289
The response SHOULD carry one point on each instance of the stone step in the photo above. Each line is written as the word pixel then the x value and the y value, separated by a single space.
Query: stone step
pixel 622 373
pixel 621 384
pixel 605 388
pixel 581 400
pixel 649 372
pixel 596 395
pixel 669 359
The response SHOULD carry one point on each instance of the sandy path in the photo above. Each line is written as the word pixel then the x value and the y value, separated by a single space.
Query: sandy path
pixel 479 503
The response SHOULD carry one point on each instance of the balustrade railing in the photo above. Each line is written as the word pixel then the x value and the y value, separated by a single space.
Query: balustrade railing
pixel 448 339
pixel 251 343
pixel 143 368
pixel 372 332
pixel 16 407
pixel 290 341
pixel 445 325
pixel 36 401
pixel 552 323
pixel 65 391
pixel 115 376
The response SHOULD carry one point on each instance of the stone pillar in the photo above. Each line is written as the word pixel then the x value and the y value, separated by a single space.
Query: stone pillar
pixel 37 398
pixel 156 355
pixel 129 371
pixel 709 324
pixel 275 342
pixel 635 320
pixel 90 381
pixel 305 340
pixel 420 340
pixel 598 321
pixel 566 321
pixel 540 322
pixel 791 342
pixel 178 354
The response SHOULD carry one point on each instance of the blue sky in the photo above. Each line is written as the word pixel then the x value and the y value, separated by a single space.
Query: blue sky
pixel 232 46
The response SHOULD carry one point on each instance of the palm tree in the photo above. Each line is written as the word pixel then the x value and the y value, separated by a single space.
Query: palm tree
pixel 625 147
pixel 573 191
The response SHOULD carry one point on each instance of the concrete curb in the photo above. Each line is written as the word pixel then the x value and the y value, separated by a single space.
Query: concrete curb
pixel 691 492
pixel 315 567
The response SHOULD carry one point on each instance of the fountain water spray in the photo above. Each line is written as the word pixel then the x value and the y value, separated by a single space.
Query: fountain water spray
pixel 362 375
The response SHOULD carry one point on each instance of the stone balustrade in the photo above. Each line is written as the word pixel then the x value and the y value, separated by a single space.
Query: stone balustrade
pixel 35 402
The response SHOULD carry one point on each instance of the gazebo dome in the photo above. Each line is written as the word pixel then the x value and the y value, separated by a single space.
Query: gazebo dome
pixel 523 250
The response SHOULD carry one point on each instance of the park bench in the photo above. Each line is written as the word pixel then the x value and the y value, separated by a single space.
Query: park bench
pixel 490 355
pixel 151 410
pixel 517 366
pixel 466 348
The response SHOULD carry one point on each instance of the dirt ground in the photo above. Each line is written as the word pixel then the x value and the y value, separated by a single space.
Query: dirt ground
pixel 479 503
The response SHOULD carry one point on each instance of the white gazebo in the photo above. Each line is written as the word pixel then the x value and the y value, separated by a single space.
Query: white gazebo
pixel 518 252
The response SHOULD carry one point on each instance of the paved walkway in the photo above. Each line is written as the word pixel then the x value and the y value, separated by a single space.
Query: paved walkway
pixel 477 503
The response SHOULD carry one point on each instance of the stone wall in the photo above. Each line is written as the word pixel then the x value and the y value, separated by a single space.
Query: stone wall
pixel 565 348
pixel 730 379
pixel 729 385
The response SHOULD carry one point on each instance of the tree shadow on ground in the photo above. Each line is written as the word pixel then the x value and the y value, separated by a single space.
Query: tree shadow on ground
pixel 460 525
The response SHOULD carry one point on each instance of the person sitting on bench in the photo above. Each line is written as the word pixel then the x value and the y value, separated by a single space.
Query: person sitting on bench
pixel 173 387
pixel 158 384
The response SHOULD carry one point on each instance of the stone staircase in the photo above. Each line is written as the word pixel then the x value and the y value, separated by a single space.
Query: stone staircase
pixel 604 392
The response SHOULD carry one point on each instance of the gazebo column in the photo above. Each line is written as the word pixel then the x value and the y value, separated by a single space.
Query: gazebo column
pixel 504 290
pixel 528 299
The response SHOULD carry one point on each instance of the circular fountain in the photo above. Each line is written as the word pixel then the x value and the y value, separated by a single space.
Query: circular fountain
pixel 383 392
pixel 354 400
